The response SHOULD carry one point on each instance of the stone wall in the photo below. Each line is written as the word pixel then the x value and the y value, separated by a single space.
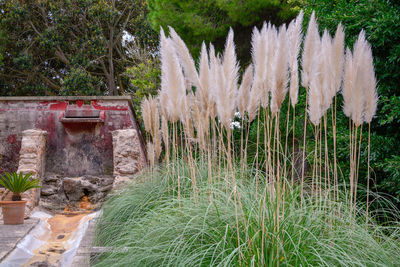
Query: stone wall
pixel 126 155
pixel 32 160
pixel 78 152
pixel 73 149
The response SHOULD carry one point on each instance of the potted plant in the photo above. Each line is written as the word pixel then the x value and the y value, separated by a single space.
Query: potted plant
pixel 14 210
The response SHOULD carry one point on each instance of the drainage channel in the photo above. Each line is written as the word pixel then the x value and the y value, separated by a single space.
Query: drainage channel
pixel 53 242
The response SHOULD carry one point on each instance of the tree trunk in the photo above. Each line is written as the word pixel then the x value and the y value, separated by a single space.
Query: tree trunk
pixel 16 197
pixel 111 82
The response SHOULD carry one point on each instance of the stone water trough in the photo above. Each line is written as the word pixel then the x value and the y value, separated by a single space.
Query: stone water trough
pixel 79 148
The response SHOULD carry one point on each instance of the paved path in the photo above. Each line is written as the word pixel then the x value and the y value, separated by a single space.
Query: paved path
pixel 85 250
pixel 10 235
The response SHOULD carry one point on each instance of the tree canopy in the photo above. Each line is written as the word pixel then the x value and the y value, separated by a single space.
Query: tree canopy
pixel 209 20
pixel 69 47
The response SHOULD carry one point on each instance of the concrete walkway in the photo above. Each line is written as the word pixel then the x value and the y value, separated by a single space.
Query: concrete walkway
pixel 10 235
pixel 85 251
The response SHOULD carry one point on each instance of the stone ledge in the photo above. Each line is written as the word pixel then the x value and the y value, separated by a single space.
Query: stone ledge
pixel 62 98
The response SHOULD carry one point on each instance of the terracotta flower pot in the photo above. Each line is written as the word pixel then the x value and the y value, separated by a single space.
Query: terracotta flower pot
pixel 13 211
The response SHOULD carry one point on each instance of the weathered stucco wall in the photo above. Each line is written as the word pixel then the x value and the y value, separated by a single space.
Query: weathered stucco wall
pixel 73 149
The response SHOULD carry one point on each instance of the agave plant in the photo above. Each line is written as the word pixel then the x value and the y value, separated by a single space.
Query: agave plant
pixel 18 183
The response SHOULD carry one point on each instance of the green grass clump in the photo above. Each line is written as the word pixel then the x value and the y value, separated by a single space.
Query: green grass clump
pixel 147 225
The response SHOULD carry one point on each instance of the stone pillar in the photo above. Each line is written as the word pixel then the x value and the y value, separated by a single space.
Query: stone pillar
pixel 127 155
pixel 31 160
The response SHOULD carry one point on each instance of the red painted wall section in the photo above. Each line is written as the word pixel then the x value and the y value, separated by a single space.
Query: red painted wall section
pixel 73 149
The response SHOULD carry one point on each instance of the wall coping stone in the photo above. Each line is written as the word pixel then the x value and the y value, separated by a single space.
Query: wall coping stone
pixel 62 98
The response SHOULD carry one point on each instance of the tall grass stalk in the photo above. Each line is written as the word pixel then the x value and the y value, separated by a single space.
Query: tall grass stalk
pixel 144 225
pixel 199 104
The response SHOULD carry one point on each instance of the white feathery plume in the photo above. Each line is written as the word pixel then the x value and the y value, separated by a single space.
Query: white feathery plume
pixel 226 82
pixel 261 56
pixel 155 126
pixel 212 77
pixel 204 74
pixel 164 131
pixel 256 91
pixel 314 102
pixel 146 114
pixel 155 116
pixel 348 80
pixel 157 145
pixel 371 95
pixel 243 96
pixel 295 38
pixel 163 103
pixel 311 39
pixel 338 57
pixel 315 90
pixel 151 155
pixel 231 67
pixel 221 90
pixel 214 61
pixel 185 58
pixel 172 79
pixel 279 90
pixel 163 59
pixel 151 119
pixel 327 72
pixel 272 37
pixel 358 96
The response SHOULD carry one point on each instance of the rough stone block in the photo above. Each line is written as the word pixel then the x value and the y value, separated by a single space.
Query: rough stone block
pixel 32 152
pixel 126 155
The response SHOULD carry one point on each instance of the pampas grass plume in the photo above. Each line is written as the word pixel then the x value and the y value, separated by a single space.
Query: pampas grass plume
pixel 262 57
pixel 327 72
pixel 278 92
pixel 256 91
pixel 338 57
pixel 358 96
pixel 226 82
pixel 348 81
pixel 172 79
pixel 151 155
pixel 311 39
pixel 314 100
pixel 165 132
pixel 371 95
pixel 185 58
pixel 204 74
pixel 146 114
pixel 295 38
pixel 315 89
pixel 243 97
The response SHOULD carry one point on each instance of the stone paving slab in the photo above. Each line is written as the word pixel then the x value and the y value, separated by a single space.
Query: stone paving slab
pixel 85 249
pixel 10 235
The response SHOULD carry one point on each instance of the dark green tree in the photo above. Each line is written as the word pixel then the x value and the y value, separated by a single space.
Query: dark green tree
pixel 380 19
pixel 209 20
pixel 70 47
pixel 2 43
